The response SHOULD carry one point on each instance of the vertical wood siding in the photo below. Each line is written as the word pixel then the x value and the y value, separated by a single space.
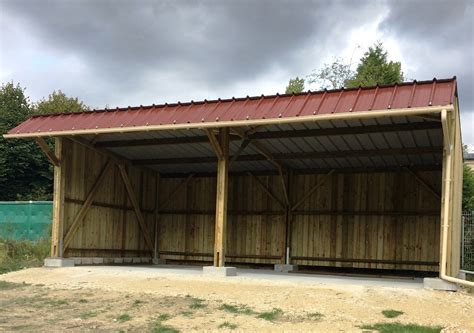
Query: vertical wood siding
pixel 384 220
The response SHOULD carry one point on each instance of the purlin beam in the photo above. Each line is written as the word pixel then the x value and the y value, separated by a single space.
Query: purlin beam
pixel 275 158
pixel 253 135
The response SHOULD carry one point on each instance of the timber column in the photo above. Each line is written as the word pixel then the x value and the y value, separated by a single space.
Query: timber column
pixel 221 208
pixel 57 228
pixel 58 201
pixel 221 198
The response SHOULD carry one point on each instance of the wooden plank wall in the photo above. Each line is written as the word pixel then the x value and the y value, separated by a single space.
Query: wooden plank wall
pixel 367 220
pixel 363 220
pixel 110 228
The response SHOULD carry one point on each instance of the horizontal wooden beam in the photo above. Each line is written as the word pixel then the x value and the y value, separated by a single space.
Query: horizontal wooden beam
pixel 295 156
pixel 306 171
pixel 373 261
pixel 206 254
pixel 419 126
pixel 365 213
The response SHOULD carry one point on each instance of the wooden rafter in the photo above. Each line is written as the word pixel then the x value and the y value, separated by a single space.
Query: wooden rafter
pixel 87 204
pixel 243 145
pixel 424 183
pixel 49 154
pixel 136 206
pixel 310 192
pixel 267 190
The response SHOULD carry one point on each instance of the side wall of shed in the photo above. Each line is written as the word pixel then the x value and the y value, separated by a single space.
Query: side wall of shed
pixel 386 220
pixel 110 228
pixel 365 220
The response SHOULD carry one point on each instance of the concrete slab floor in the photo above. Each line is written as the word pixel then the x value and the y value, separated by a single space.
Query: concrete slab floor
pixel 270 275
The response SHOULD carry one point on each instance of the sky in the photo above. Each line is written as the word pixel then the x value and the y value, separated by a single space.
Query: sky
pixel 121 53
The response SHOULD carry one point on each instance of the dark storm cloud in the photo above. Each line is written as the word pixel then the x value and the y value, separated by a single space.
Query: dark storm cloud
pixel 211 43
pixel 436 39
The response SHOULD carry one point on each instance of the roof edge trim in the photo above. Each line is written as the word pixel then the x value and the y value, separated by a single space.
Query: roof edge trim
pixel 289 120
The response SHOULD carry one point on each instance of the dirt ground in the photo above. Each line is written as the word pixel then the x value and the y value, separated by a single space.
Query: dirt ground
pixel 95 299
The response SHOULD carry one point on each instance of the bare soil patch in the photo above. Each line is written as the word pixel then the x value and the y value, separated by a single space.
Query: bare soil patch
pixel 95 299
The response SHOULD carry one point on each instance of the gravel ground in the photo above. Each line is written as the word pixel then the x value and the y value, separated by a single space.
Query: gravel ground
pixel 95 298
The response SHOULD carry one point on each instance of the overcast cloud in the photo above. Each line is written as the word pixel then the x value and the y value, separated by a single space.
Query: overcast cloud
pixel 120 53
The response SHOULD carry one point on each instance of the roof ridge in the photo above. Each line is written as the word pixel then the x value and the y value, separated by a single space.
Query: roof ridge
pixel 256 97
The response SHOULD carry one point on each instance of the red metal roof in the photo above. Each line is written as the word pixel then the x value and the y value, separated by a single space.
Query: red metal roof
pixel 400 96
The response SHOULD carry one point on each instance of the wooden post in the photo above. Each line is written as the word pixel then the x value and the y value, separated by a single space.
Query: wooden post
pixel 58 201
pixel 221 198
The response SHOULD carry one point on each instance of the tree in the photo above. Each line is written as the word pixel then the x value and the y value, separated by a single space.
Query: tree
pixel 331 76
pixel 468 189
pixel 374 68
pixel 467 186
pixel 58 102
pixel 25 173
pixel 295 86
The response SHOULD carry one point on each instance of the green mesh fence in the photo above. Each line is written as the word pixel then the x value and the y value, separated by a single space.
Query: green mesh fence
pixel 25 220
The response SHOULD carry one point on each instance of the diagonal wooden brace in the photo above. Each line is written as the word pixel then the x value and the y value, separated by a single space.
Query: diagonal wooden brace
pixel 136 206
pixel 87 205
pixel 49 154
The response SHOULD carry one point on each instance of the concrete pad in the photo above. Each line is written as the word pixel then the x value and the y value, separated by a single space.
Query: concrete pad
pixel 86 261
pixel 97 261
pixel 285 268
pixel 158 261
pixel 438 284
pixel 219 271
pixel 77 260
pixel 58 262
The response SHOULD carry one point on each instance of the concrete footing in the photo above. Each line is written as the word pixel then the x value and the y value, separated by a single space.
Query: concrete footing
pixel 158 261
pixel 284 268
pixel 438 284
pixel 110 260
pixel 219 271
pixel 58 262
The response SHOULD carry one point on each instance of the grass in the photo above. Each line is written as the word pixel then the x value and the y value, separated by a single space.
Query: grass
pixel 197 303
pixel 402 328
pixel 392 313
pixel 228 325
pixel 87 315
pixel 163 317
pixel 314 315
pixel 82 300
pixel 19 254
pixel 56 302
pixel 137 302
pixel 271 315
pixel 186 313
pixel 240 309
pixel 158 327
pixel 124 317
pixel 5 285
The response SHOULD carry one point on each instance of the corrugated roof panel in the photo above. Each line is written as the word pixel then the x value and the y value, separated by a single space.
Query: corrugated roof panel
pixel 406 95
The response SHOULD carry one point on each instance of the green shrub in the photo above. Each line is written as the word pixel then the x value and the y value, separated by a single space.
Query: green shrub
pixel 23 254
